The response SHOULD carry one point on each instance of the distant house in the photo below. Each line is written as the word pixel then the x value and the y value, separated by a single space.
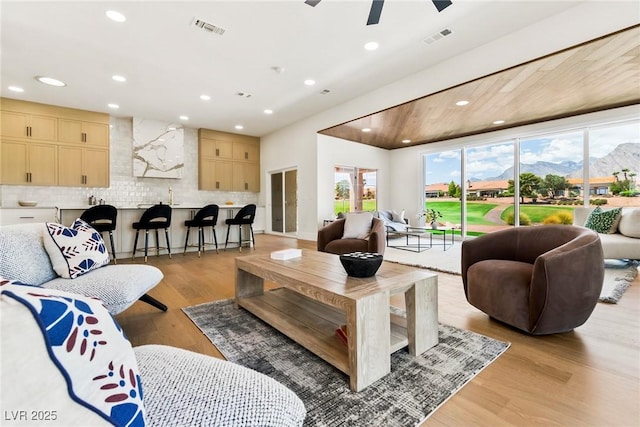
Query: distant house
pixel 598 186
pixel 488 188
pixel 436 190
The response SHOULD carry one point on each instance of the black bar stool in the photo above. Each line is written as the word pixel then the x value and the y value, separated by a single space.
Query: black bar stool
pixel 200 220
pixel 245 216
pixel 103 219
pixel 154 218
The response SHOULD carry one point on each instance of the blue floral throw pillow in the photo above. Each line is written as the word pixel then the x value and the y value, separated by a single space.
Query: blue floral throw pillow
pixel 86 346
pixel 605 222
pixel 75 250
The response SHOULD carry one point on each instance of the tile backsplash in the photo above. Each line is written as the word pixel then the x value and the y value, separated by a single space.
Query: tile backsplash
pixel 125 189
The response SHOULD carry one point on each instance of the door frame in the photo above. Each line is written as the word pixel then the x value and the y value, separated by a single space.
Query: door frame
pixel 268 208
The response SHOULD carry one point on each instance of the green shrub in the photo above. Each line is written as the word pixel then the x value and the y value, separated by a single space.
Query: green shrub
pixel 598 202
pixel 524 219
pixel 629 193
pixel 562 217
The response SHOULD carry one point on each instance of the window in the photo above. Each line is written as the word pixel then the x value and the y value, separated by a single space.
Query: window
pixel 550 183
pixel 355 189
pixel 614 164
pixel 490 203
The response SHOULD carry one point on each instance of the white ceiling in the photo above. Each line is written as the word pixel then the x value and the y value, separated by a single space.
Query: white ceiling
pixel 169 63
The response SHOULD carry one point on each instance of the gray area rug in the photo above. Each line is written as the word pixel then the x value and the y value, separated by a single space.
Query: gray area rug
pixel 618 274
pixel 409 394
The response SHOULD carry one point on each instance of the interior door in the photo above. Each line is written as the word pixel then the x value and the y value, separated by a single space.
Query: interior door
pixel 291 201
pixel 284 201
pixel 277 202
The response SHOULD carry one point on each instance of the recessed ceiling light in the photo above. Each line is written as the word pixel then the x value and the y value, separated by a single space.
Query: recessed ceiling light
pixel 115 16
pixel 406 141
pixel 268 111
pixel 309 82
pixel 371 46
pixel 462 103
pixel 15 89
pixel 119 78
pixel 239 127
pixel 50 81
pixel 498 122
pixel 184 117
pixel 366 129
pixel 205 97
pixel 114 106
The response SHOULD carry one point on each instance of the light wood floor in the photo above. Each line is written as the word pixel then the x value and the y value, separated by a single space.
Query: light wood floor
pixel 590 376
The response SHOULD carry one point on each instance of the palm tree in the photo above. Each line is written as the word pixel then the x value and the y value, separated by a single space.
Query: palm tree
pixel 615 175
pixel 624 171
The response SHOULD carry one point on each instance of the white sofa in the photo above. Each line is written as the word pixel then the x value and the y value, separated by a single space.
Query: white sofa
pixel 625 242
pixel 48 376
pixel 23 258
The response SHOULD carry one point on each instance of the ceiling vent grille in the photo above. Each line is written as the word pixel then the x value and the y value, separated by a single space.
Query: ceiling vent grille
pixel 438 36
pixel 198 23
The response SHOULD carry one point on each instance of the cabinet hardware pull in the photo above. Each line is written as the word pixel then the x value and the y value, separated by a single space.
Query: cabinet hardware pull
pixel 246 185
pixel 217 184
pixel 246 155
pixel 27 217
pixel 217 152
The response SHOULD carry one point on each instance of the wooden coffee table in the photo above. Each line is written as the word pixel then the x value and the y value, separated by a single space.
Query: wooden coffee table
pixel 316 297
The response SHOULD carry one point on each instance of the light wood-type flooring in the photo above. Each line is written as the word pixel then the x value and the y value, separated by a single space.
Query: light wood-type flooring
pixel 590 376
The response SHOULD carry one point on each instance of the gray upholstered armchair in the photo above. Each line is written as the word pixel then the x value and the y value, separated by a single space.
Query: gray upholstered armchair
pixel 330 238
pixel 540 279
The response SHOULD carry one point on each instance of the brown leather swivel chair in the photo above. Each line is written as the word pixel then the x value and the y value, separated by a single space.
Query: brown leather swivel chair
pixel 330 239
pixel 540 279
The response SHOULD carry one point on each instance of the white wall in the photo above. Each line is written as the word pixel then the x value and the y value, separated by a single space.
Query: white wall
pixel 338 152
pixel 299 144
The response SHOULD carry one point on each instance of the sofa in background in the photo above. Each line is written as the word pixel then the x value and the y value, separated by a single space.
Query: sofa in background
pixel 540 279
pixel 23 258
pixel 625 242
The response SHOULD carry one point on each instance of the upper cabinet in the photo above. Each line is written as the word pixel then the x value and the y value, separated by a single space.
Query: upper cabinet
pixel 47 145
pixel 28 126
pixel 228 161
pixel 78 132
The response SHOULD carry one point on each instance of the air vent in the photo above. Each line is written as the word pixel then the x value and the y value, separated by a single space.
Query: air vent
pixel 438 36
pixel 198 23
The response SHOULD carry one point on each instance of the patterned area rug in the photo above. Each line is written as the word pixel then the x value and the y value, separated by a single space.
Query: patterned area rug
pixel 618 275
pixel 409 394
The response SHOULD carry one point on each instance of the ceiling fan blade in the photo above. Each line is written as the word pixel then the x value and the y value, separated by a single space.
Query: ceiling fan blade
pixel 376 10
pixel 312 3
pixel 441 4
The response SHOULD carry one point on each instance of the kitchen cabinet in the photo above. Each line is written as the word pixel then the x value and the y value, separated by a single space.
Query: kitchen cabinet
pixel 48 145
pixel 216 148
pixel 246 151
pixel 228 162
pixel 246 177
pixel 28 163
pixel 28 126
pixel 87 133
pixel 11 216
pixel 216 175
pixel 83 167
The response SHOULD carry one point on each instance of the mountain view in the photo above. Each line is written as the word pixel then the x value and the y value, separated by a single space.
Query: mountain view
pixel 623 156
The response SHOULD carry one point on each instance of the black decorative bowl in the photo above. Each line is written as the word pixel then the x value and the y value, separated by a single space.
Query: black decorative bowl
pixel 361 264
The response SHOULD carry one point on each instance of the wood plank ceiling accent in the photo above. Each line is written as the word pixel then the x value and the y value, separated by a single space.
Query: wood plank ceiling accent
pixel 596 75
